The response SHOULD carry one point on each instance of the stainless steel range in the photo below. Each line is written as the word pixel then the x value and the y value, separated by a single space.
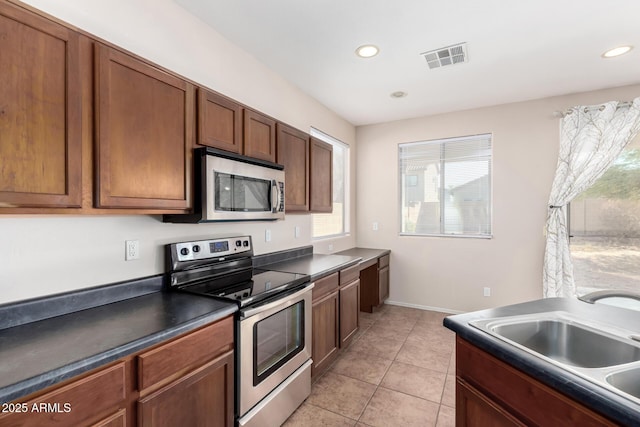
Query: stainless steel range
pixel 273 325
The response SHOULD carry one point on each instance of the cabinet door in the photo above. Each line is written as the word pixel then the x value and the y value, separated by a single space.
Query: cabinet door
pixel 325 332
pixel 119 419
pixel 321 179
pixel 219 122
pixel 259 136
pixel 40 112
pixel 203 398
pixel 474 409
pixel 144 129
pixel 383 284
pixel 293 153
pixel 349 311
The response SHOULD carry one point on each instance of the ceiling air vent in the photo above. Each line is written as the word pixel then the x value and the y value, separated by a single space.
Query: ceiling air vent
pixel 449 55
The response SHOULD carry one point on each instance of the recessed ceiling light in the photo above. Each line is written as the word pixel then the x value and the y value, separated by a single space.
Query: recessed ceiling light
pixel 367 51
pixel 617 51
pixel 398 94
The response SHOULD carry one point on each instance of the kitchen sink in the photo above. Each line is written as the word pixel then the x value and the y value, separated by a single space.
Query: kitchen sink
pixel 569 343
pixel 601 353
pixel 627 381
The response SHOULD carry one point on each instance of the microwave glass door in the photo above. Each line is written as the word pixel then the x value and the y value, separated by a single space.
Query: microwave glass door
pixel 277 339
pixel 240 193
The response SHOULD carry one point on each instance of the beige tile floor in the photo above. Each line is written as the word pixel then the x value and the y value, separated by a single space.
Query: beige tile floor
pixel 399 371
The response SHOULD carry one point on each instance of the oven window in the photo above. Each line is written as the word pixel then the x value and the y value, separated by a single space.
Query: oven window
pixel 277 339
pixel 239 193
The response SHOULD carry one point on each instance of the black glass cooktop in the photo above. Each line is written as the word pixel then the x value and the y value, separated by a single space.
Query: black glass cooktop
pixel 250 287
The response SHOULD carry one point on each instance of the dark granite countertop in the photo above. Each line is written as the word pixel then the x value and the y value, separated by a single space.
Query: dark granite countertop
pixel 48 350
pixel 600 399
pixel 367 254
pixel 315 265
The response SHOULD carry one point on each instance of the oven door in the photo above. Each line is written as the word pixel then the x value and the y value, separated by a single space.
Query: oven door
pixel 274 341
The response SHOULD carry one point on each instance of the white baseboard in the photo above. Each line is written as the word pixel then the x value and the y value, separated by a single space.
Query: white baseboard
pixel 423 307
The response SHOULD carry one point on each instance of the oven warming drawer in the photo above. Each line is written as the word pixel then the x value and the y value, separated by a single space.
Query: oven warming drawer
pixel 274 409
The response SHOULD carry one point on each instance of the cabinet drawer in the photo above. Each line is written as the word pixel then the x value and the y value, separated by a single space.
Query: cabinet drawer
pixel 383 261
pixel 75 403
pixel 162 363
pixel 349 274
pixel 325 286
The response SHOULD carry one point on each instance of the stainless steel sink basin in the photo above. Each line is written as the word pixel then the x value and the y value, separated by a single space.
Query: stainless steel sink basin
pixel 628 381
pixel 569 343
pixel 601 353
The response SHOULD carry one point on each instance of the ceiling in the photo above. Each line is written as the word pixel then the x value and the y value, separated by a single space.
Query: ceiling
pixel 517 50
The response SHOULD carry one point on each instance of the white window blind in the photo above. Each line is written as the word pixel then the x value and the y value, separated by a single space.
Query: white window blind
pixel 446 187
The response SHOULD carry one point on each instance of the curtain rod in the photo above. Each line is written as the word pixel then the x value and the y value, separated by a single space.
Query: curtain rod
pixel 560 114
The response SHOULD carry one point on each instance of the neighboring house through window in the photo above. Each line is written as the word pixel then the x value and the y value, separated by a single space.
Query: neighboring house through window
pixel 445 187
pixel 336 223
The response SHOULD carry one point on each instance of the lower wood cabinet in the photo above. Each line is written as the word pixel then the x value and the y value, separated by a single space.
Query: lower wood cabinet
pixel 203 397
pixel 119 419
pixel 85 401
pixel 349 308
pixel 336 316
pixel 349 304
pixel 490 392
pixel 374 280
pixel 188 381
pixel 325 332
pixel 475 409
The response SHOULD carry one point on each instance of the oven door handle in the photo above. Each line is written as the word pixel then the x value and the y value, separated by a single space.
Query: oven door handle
pixel 283 302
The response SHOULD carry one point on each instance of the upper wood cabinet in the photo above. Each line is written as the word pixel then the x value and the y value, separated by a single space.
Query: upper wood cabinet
pixel 293 153
pixel 219 121
pixel 40 112
pixel 259 136
pixel 321 176
pixel 144 134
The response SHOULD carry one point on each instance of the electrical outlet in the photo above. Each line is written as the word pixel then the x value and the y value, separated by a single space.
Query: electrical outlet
pixel 131 250
pixel 267 235
pixel 375 226
pixel 296 231
pixel 487 292
pixel 330 247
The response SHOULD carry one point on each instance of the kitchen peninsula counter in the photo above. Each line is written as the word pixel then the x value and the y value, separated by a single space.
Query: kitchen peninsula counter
pixel 613 406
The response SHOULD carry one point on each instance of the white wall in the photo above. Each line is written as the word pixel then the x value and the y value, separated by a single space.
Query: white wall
pixel 54 253
pixel 450 273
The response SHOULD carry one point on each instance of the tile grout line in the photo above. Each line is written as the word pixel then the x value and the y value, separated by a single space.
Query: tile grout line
pixel 429 325
pixel 382 379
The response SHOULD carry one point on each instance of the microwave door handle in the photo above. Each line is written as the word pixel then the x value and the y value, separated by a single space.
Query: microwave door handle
pixel 275 196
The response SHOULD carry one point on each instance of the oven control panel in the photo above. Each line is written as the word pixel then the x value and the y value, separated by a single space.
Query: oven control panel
pixel 214 248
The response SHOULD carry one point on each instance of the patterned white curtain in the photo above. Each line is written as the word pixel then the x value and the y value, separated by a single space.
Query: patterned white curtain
pixel 591 138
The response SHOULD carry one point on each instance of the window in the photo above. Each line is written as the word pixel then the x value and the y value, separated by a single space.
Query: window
pixel 335 223
pixel 605 227
pixel 445 187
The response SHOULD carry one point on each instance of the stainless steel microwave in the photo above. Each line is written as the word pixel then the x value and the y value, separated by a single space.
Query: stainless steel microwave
pixel 231 187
